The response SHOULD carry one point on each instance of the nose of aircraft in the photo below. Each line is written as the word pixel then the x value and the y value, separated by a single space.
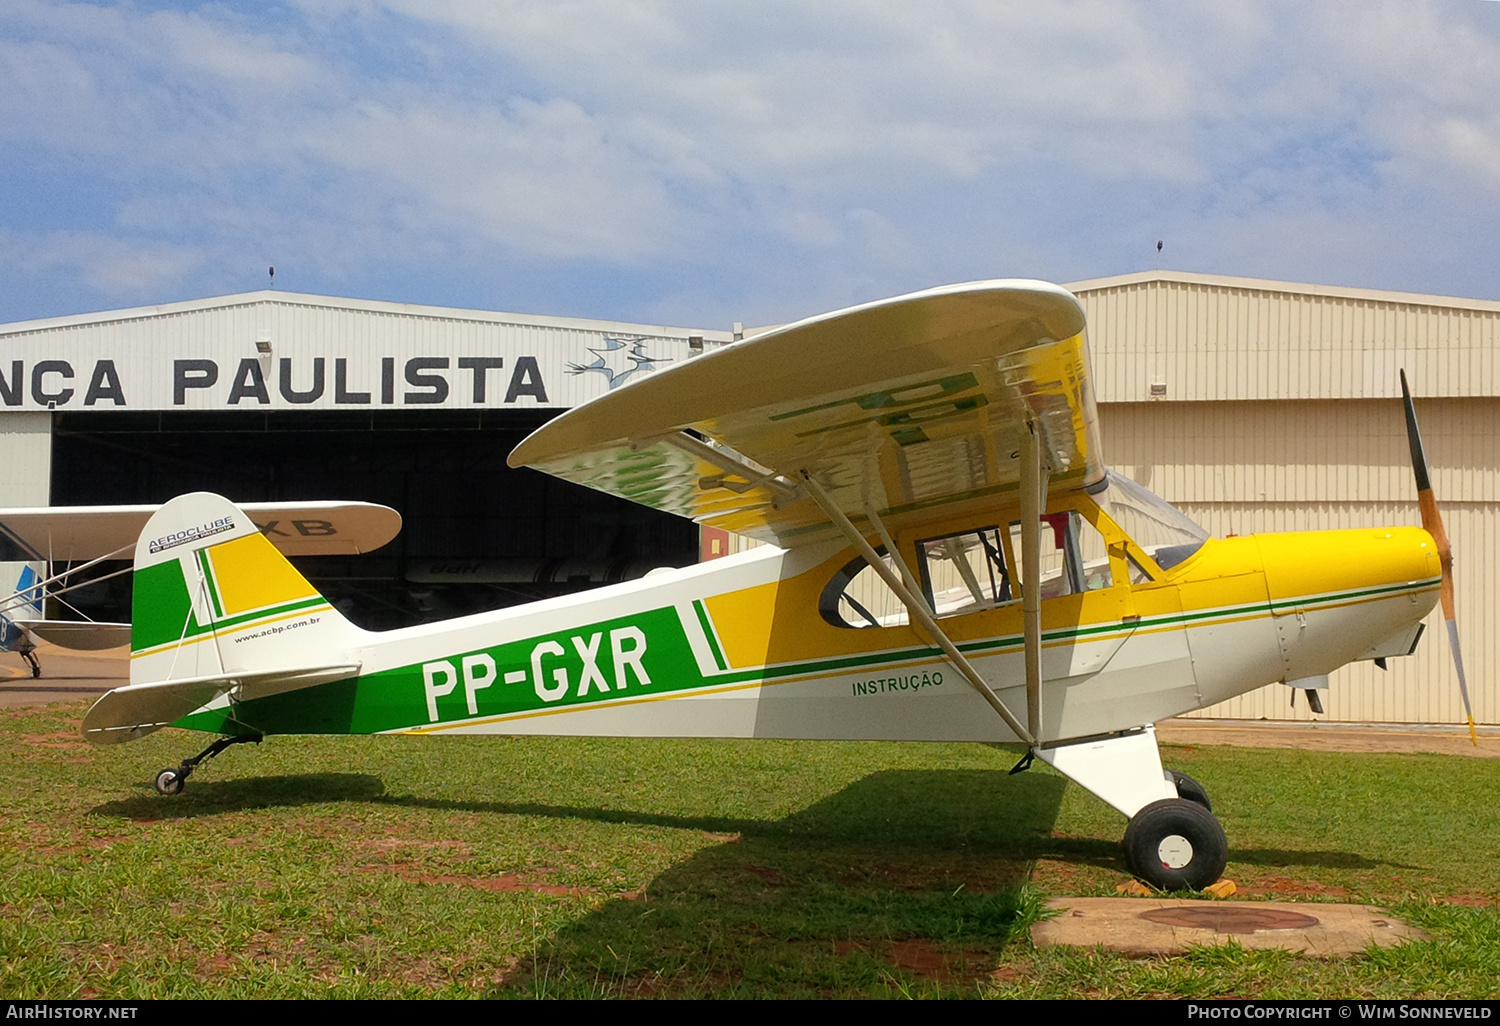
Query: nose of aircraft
pixel 1337 594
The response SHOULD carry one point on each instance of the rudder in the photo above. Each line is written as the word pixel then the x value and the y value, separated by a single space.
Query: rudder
pixel 213 596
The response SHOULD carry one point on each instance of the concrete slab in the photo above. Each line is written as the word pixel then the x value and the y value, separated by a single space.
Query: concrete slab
pixel 1323 736
pixel 67 676
pixel 1169 926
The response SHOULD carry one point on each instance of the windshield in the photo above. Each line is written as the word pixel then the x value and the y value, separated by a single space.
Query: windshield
pixel 1160 528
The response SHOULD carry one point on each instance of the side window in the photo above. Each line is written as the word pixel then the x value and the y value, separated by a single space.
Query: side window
pixel 965 572
pixel 1075 558
pixel 858 597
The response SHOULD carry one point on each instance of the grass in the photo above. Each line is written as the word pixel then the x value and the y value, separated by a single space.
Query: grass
pixel 496 867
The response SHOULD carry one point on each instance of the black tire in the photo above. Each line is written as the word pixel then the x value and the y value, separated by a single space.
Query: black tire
pixel 169 782
pixel 36 670
pixel 1176 845
pixel 1191 790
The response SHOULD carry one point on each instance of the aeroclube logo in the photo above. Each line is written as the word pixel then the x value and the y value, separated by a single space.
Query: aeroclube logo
pixel 619 358
pixel 177 538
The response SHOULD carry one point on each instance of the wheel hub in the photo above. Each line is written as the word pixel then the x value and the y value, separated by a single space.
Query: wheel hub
pixel 1175 851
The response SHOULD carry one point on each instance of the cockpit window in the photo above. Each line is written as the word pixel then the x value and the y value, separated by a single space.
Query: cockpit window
pixel 1158 527
pixel 965 572
pixel 858 597
pixel 974 570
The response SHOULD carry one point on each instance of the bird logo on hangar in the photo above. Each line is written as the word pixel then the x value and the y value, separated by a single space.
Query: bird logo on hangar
pixel 618 359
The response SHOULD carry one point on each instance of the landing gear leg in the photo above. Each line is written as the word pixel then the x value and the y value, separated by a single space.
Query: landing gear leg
pixel 1173 842
pixel 30 656
pixel 174 778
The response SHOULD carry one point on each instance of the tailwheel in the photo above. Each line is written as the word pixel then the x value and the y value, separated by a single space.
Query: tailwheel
pixel 169 781
pixel 1176 844
pixel 1190 790
pixel 172 780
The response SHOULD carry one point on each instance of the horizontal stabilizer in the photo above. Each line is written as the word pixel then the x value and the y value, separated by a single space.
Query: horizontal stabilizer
pixel 133 711
pixel 78 635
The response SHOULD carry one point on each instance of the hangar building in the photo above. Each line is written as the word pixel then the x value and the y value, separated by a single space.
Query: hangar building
pixel 1253 405
pixel 1261 406
pixel 280 396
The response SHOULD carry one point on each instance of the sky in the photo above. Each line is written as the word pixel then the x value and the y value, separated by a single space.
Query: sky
pixel 690 163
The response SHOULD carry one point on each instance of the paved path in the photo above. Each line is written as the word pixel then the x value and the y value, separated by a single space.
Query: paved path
pixel 66 676
pixel 1331 737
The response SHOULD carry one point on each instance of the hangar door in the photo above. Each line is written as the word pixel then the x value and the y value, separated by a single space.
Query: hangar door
pixel 476 534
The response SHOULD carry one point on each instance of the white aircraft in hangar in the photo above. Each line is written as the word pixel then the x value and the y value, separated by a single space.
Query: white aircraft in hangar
pixel 951 560
pixel 80 538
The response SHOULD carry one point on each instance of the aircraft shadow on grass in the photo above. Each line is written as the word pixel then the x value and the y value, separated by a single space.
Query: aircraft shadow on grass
pixel 933 854
pixel 925 857
pixel 215 797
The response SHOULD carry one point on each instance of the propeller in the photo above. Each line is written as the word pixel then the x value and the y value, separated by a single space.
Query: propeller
pixel 1432 523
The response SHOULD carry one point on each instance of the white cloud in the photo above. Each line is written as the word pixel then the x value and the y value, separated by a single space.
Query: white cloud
pixel 857 144
pixel 108 264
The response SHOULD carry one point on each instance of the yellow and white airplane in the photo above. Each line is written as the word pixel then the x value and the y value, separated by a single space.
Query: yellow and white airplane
pixel 951 560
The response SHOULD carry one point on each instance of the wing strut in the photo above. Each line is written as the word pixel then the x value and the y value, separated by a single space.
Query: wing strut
pixel 1033 503
pixel 915 607
pixel 733 464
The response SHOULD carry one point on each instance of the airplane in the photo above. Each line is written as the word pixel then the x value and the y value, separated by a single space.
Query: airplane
pixel 950 559
pixel 91 535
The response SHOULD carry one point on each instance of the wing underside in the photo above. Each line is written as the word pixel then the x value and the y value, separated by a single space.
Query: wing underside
pixel 903 406
pixel 75 533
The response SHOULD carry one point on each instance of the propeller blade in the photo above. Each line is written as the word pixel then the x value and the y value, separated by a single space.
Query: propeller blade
pixel 1432 523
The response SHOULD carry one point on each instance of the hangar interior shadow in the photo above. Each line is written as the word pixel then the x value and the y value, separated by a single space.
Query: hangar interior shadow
pixel 463 508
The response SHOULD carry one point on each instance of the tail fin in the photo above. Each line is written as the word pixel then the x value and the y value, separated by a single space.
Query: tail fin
pixel 217 609
pixel 214 596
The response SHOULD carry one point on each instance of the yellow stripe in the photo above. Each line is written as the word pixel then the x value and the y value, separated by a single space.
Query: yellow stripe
pixel 230 632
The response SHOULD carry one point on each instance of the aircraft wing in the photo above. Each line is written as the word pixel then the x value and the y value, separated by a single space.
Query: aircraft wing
pixel 908 403
pixel 78 635
pixel 76 533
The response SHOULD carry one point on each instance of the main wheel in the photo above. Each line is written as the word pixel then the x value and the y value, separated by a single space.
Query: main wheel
pixel 1191 790
pixel 1175 845
pixel 169 781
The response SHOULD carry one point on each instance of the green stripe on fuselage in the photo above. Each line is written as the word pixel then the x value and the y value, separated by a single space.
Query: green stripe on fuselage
pixel 397 699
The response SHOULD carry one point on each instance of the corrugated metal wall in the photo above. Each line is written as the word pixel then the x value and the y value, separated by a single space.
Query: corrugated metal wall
pixel 1207 339
pixel 144 343
pixel 1251 467
pixel 25 459
pixel 1281 413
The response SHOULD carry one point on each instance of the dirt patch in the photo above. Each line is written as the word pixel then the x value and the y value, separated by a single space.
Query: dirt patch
pixel 1287 887
pixel 504 883
pixel 925 960
pixel 62 739
pixel 389 844
pixel 770 876
pixel 1471 900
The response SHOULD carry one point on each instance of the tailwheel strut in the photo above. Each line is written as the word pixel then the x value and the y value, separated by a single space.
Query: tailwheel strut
pixel 174 778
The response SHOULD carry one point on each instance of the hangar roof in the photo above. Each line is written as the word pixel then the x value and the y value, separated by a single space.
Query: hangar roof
pixel 374 306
